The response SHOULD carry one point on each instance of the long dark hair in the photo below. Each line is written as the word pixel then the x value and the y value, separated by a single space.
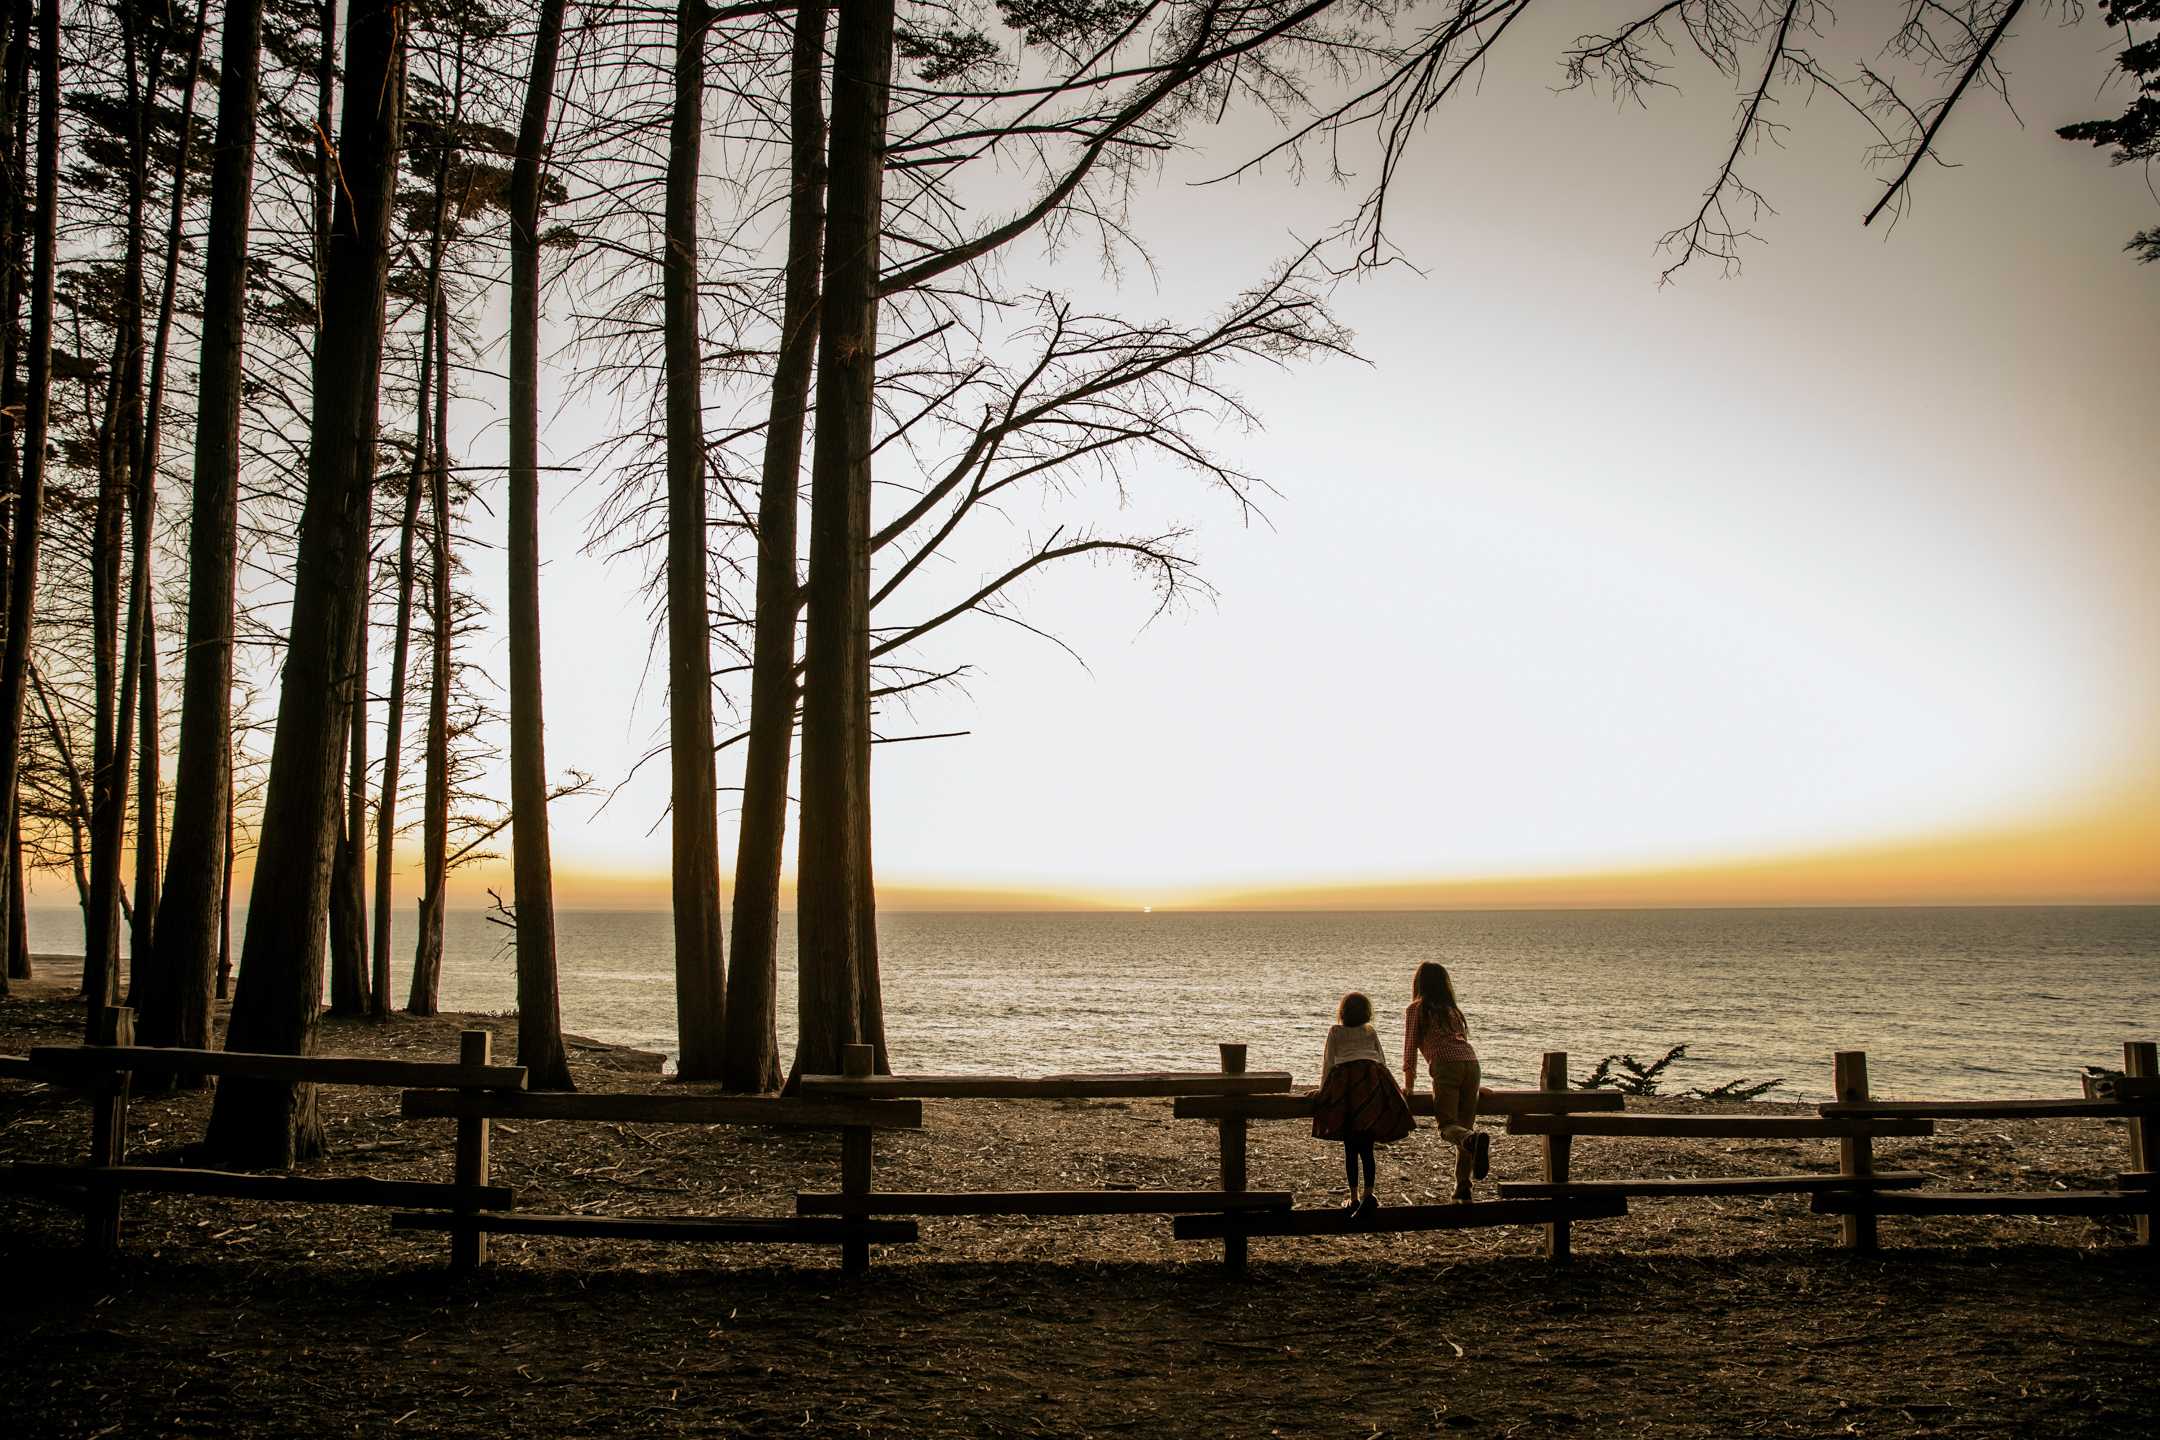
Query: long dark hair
pixel 1436 996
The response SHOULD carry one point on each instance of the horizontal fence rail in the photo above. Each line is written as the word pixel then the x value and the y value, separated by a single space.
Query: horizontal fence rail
pixel 1046 1087
pixel 1983 1202
pixel 300 1069
pixel 306 1189
pixel 1715 1185
pixel 2069 1109
pixel 728 1229
pixel 661 1109
pixel 1392 1219
pixel 1718 1127
pixel 1040 1202
pixel 1490 1102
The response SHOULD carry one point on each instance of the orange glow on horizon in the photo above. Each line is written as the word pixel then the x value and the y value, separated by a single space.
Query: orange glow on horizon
pixel 2109 855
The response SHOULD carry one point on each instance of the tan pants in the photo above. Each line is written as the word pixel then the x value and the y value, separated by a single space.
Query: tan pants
pixel 1454 1090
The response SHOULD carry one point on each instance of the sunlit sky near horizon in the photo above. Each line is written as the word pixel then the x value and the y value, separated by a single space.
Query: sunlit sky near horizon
pixel 1576 573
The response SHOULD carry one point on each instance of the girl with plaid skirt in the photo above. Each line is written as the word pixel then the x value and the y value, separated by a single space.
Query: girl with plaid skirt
pixel 1358 1102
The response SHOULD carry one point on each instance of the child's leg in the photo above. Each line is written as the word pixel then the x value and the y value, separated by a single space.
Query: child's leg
pixel 1349 1163
pixel 1364 1143
pixel 1452 1113
pixel 1475 1145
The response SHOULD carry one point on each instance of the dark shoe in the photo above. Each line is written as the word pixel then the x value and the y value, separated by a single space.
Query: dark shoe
pixel 1351 1205
pixel 1366 1209
pixel 1480 1155
pixel 1462 1195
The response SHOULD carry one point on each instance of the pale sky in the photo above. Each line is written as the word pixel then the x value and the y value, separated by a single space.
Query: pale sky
pixel 1853 549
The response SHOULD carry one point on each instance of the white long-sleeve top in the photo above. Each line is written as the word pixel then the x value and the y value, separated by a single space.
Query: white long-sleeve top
pixel 1351 1042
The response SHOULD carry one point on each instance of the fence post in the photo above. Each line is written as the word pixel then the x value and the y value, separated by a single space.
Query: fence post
pixel 108 1131
pixel 2141 1057
pixel 855 1161
pixel 1848 1079
pixel 468 1248
pixel 1552 1075
pixel 1230 1143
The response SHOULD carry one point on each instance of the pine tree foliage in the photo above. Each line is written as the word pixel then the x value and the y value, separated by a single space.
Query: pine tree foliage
pixel 2135 133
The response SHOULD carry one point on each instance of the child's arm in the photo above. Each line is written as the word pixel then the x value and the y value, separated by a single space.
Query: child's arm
pixel 1409 1047
pixel 1327 1055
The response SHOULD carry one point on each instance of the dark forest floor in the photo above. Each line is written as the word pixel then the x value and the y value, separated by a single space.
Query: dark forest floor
pixel 1686 1318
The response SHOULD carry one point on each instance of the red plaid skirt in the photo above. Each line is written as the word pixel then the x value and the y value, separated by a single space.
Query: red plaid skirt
pixel 1361 1095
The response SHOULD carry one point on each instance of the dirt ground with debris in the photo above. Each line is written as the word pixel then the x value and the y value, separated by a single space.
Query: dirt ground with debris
pixel 1715 1318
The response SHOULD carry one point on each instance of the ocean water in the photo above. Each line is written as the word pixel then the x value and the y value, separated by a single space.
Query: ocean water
pixel 1949 1003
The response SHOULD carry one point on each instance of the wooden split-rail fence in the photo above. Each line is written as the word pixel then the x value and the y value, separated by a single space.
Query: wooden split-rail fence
pixel 474 1093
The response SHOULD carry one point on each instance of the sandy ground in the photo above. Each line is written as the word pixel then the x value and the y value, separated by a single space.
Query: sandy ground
pixel 1687 1318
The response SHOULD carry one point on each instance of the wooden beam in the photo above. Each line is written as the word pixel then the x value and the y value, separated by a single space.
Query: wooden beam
pixel 2141 1062
pixel 1231 1133
pixel 1990 1109
pixel 1393 1219
pixel 1718 1127
pixel 857 1157
pixel 1856 1153
pixel 2132 1087
pixel 293 1189
pixel 1490 1102
pixel 1715 1185
pixel 2138 1180
pixel 1046 1087
pixel 108 1122
pixel 1977 1202
pixel 744 1229
pixel 21 1067
pixel 1537 1102
pixel 1553 1159
pixel 92 1060
pixel 468 1248
pixel 1041 1202
pixel 662 1109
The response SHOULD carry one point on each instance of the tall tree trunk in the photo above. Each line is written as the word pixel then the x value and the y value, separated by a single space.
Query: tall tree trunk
pixel 142 612
pixel 325 98
pixel 416 480
pixel 15 22
pixel 78 811
pixel 435 806
pixel 279 1001
pixel 869 981
pixel 20 965
pixel 753 1050
pixel 394 711
pixel 700 968
pixel 348 888
pixel 348 871
pixel 193 912
pixel 426 995
pixel 540 1045
pixel 109 731
pixel 833 873
pixel 224 909
pixel 30 496
pixel 134 492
